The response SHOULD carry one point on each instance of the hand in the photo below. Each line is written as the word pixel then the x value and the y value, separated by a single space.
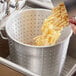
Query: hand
pixel 73 24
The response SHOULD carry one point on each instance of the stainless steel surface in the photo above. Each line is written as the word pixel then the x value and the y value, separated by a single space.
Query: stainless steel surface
pixel 16 67
pixel 7 7
pixel 12 5
pixel 72 71
pixel 69 64
pixel 21 28
pixel 17 4
pixel 41 3
pixel 68 69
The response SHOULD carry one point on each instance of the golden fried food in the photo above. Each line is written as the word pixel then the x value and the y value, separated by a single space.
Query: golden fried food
pixel 52 26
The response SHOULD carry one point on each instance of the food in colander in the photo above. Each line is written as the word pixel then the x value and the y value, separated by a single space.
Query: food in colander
pixel 52 26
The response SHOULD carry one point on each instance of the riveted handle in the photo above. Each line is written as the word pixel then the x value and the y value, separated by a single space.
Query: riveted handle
pixel 3 34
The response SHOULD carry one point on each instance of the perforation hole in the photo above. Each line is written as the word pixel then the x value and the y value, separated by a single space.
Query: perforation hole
pixel 27 25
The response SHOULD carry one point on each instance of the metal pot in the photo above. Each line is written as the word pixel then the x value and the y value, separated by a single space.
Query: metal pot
pixel 21 28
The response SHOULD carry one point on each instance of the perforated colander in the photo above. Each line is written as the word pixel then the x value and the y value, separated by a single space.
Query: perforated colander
pixel 21 28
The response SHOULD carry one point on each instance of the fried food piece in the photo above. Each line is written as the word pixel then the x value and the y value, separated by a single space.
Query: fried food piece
pixel 52 26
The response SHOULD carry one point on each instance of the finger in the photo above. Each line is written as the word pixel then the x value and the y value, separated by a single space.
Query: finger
pixel 72 20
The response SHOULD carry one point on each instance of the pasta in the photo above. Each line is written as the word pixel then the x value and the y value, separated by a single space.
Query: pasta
pixel 52 26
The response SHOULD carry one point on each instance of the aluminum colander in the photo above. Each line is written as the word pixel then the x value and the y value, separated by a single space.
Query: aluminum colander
pixel 21 28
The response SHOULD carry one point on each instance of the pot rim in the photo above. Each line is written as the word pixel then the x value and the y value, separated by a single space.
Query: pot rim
pixel 33 46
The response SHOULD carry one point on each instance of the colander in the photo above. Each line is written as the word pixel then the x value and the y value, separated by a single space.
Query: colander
pixel 21 28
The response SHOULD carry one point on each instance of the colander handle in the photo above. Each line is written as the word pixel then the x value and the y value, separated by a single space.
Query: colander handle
pixel 2 35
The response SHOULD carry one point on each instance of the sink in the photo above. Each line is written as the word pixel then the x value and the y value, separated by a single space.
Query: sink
pixel 8 68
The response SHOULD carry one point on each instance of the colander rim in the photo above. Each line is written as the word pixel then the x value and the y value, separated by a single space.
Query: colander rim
pixel 16 13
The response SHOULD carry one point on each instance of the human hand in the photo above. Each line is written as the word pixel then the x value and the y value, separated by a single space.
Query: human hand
pixel 73 24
